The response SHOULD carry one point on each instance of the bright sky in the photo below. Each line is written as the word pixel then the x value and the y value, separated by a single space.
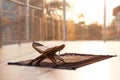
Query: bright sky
pixel 93 10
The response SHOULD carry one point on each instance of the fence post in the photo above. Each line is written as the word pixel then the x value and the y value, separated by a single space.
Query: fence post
pixel 0 23
pixel 53 29
pixel 19 27
pixel 27 20
pixel 46 27
pixel 32 27
pixel 59 30
pixel 41 29
pixel 0 33
pixel 64 20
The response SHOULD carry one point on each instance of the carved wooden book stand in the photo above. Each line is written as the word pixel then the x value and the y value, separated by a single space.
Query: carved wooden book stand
pixel 49 53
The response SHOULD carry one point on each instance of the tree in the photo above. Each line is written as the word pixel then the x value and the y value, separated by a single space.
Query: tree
pixel 53 7
pixel 53 10
pixel 81 32
pixel 81 29
pixel 95 31
pixel 112 31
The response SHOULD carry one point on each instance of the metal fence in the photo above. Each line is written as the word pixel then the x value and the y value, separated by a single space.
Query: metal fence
pixel 25 20
pixel 36 20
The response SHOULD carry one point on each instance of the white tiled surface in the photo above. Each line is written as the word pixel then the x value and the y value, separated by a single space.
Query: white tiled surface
pixel 104 70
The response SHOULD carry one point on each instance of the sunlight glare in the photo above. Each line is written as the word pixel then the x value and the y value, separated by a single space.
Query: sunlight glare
pixel 93 10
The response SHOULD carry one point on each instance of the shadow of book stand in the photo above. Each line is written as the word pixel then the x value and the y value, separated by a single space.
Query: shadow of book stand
pixel 72 61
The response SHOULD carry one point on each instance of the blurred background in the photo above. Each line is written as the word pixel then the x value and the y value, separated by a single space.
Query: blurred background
pixel 60 20
pixel 85 26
